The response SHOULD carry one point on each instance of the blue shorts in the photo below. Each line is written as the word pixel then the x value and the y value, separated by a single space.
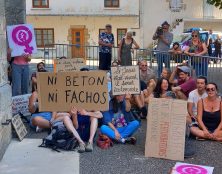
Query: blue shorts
pixel 84 127
pixel 44 115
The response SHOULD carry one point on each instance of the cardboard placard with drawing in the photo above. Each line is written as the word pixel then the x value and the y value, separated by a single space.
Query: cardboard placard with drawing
pixel 67 65
pixel 166 124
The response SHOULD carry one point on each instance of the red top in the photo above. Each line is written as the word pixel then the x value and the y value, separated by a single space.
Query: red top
pixel 20 60
pixel 187 86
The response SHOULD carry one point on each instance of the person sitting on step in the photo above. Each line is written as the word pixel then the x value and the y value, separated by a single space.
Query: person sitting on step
pixel 209 116
pixel 119 123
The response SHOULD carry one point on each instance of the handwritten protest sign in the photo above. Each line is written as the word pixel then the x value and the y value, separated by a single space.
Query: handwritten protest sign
pixel 19 127
pixel 58 92
pixel 184 168
pixel 125 79
pixel 66 65
pixel 166 122
pixel 20 104
pixel 21 39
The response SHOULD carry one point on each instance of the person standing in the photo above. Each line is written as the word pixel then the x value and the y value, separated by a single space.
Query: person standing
pixel 197 49
pixel 106 42
pixel 217 46
pixel 164 39
pixel 126 48
pixel 209 47
pixel 20 73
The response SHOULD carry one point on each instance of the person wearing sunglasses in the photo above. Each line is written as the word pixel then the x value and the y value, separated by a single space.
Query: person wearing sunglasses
pixel 196 49
pixel 164 39
pixel 209 116
pixel 146 73
pixel 138 100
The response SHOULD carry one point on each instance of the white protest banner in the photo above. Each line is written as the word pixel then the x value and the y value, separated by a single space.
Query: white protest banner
pixel 184 168
pixel 82 89
pixel 19 127
pixel 166 126
pixel 20 104
pixel 21 39
pixel 125 79
pixel 66 65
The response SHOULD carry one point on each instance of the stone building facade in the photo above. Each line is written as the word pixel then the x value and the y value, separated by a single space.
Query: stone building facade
pixel 5 88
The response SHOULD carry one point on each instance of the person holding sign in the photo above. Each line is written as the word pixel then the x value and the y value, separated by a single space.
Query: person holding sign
pixel 20 73
pixel 209 116
pixel 163 90
pixel 40 68
pixel 119 123
pixel 39 120
pixel 126 48
pixel 82 124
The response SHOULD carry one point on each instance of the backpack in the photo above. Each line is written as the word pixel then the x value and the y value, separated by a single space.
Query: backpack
pixel 104 142
pixel 59 138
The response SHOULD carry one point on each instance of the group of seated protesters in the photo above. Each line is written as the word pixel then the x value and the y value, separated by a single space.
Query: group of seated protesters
pixel 119 123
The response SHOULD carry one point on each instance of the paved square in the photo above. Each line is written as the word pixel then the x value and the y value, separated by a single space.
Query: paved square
pixel 27 158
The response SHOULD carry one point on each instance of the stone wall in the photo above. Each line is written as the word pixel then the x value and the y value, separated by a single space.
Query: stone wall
pixel 5 88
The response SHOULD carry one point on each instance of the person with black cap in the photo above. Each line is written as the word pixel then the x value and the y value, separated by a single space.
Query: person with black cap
pixel 164 39
pixel 106 42
pixel 186 84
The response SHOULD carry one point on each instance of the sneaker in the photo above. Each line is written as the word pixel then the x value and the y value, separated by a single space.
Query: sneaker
pixel 189 150
pixel 200 139
pixel 81 148
pixel 122 140
pixel 131 140
pixel 38 129
pixel 143 113
pixel 89 147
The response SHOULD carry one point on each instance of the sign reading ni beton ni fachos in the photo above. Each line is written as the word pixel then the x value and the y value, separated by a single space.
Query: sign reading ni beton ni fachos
pixel 82 89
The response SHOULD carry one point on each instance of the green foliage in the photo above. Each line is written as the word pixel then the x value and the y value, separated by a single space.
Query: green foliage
pixel 216 3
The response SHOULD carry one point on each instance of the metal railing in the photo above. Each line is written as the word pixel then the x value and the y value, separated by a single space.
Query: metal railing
pixel 201 65
pixel 89 53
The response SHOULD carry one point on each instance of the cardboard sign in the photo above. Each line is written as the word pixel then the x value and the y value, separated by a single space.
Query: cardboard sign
pixel 67 65
pixel 19 127
pixel 21 39
pixel 125 79
pixel 184 168
pixel 166 126
pixel 82 89
pixel 20 104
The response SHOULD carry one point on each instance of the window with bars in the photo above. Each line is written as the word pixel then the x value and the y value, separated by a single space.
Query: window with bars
pixel 111 3
pixel 44 36
pixel 40 3
pixel 121 32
